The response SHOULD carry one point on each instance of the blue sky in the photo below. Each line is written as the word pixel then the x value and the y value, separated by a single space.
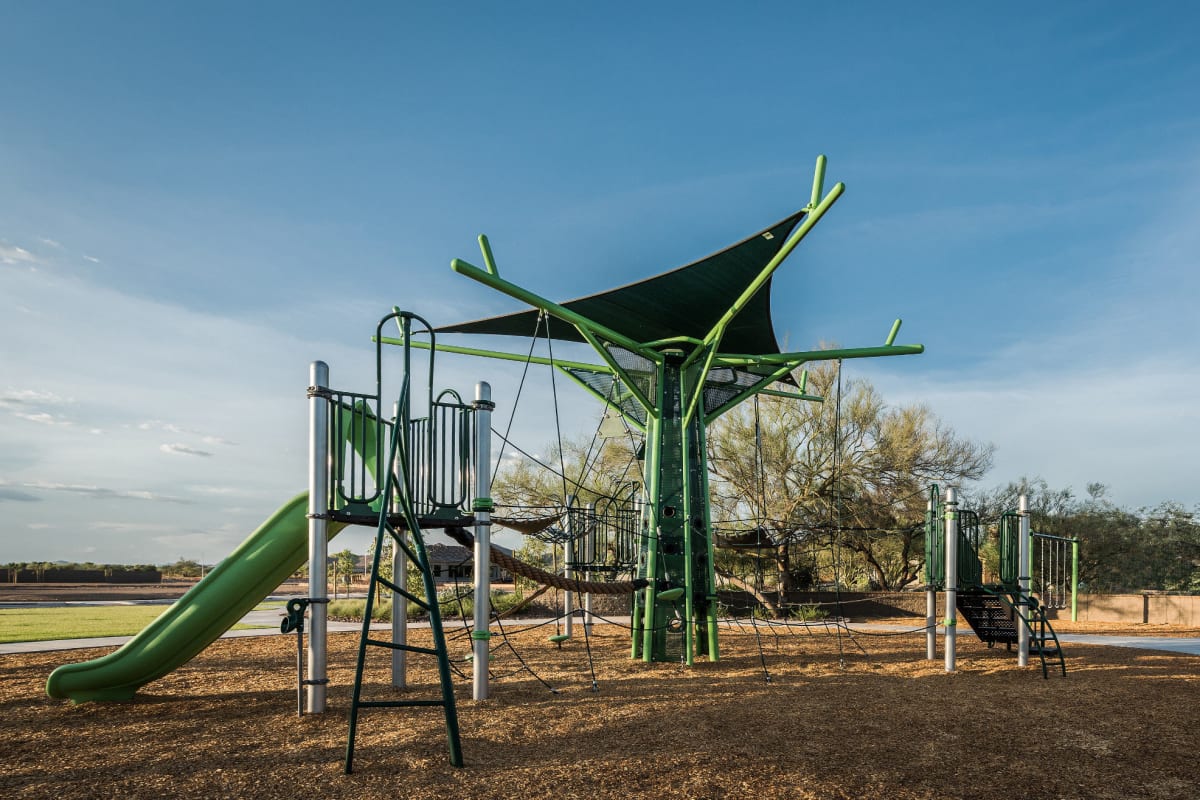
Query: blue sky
pixel 198 201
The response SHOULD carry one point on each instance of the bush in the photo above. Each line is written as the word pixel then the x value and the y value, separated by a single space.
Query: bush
pixel 808 612
pixel 451 606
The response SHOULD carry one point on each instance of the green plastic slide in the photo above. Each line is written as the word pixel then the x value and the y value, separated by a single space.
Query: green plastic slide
pixel 243 580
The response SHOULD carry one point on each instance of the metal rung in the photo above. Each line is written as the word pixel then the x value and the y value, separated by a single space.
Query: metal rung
pixel 412 598
pixel 399 703
pixel 408 648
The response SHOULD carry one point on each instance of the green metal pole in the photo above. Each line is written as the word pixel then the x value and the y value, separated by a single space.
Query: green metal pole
pixel 810 220
pixel 689 577
pixel 818 182
pixel 1075 580
pixel 600 369
pixel 802 357
pixel 550 307
pixel 714 650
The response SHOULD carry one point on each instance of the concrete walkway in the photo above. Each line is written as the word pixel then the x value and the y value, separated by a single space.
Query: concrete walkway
pixel 267 624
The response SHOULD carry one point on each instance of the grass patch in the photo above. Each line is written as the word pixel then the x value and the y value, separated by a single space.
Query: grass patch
pixel 452 607
pixel 78 622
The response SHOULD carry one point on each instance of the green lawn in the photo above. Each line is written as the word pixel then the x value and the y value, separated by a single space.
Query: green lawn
pixel 76 622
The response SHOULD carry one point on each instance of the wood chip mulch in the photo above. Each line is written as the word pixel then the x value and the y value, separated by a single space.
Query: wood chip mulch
pixel 840 717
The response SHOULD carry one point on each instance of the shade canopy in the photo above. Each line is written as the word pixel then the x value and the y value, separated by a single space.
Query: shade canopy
pixel 687 301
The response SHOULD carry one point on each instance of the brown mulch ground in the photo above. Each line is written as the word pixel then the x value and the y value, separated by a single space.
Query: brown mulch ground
pixel 833 722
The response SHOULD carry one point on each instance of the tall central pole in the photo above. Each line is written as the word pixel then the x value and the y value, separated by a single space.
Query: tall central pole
pixel 678 611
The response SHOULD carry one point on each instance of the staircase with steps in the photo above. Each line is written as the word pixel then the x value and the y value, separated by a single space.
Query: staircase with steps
pixel 993 616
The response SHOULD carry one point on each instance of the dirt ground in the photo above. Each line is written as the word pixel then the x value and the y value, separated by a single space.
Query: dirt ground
pixel 839 718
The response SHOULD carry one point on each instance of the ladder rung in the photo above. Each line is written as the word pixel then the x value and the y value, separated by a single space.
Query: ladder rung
pixel 399 703
pixel 405 647
pixel 412 598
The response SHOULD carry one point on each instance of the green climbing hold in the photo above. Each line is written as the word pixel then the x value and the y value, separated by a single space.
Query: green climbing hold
pixel 670 595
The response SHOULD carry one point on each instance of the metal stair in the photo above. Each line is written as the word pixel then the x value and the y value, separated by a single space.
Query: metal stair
pixel 993 617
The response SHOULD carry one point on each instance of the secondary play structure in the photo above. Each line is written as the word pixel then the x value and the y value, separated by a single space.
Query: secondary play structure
pixel 1007 610
pixel 675 351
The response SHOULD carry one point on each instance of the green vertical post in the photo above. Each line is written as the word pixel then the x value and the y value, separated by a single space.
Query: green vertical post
pixel 689 572
pixel 713 650
pixel 1075 580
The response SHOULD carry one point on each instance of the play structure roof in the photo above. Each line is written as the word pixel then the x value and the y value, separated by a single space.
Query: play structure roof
pixel 687 301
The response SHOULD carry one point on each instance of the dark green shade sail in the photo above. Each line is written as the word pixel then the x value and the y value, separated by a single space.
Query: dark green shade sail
pixel 687 301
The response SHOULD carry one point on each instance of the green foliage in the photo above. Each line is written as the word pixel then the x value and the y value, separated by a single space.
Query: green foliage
pixel 1121 550
pixel 808 612
pixel 184 568
pixel 537 553
pixel 837 495
pixel 451 606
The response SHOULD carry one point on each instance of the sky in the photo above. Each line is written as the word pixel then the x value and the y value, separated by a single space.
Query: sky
pixel 196 201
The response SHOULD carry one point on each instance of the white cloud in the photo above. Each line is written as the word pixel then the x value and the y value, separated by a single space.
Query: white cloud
pixel 183 450
pixel 32 397
pixel 170 427
pixel 42 418
pixel 92 259
pixel 100 492
pixel 11 254
pixel 50 243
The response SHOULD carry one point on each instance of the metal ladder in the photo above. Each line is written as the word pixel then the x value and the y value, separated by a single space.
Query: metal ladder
pixel 396 491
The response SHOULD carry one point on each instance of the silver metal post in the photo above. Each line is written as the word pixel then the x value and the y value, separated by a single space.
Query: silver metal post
pixel 589 555
pixel 318 532
pixel 480 644
pixel 951 577
pixel 930 606
pixel 568 557
pixel 400 578
pixel 1023 581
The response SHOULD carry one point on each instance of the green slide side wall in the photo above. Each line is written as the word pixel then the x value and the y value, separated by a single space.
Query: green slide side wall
pixel 273 552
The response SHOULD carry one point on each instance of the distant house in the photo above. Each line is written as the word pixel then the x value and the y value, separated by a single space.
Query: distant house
pixel 452 562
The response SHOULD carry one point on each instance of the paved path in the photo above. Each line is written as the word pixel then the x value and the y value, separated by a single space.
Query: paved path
pixel 269 620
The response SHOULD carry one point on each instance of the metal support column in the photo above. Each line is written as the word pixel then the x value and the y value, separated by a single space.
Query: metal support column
pixel 930 600
pixel 589 556
pixel 400 578
pixel 568 559
pixel 1023 581
pixel 951 577
pixel 318 532
pixel 1075 580
pixel 481 635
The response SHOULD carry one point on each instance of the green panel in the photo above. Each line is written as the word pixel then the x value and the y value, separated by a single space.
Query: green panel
pixel 685 302
pixel 1010 541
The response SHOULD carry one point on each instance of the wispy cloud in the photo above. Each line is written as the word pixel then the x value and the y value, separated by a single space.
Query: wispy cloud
pixel 35 406
pixel 130 527
pixel 18 496
pixel 50 243
pixel 170 427
pixel 11 254
pixel 42 418
pixel 31 397
pixel 92 259
pixel 99 492
pixel 183 450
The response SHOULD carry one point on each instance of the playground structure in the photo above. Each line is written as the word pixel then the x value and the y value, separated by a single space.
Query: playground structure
pixel 1008 610
pixel 676 353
